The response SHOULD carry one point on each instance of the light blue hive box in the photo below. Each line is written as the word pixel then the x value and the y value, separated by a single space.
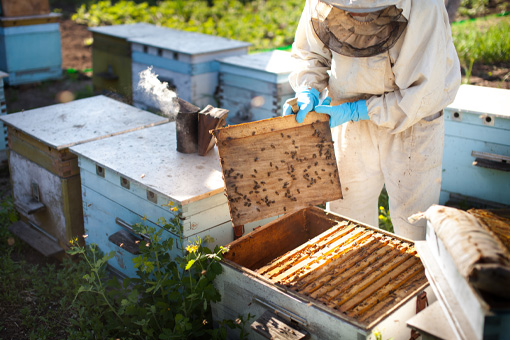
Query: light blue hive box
pixel 255 86
pixel 185 60
pixel 476 159
pixel 135 175
pixel 30 49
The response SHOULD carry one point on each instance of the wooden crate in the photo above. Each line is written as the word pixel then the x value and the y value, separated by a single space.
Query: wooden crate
pixel 321 275
pixel 255 86
pixel 16 8
pixel 111 56
pixel 185 60
pixel 476 159
pixel 140 173
pixel 45 174
pixel 30 53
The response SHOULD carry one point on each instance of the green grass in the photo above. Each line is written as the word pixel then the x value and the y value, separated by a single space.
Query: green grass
pixel 484 40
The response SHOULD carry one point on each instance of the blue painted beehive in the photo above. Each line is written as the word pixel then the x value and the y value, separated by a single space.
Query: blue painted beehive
pixel 3 111
pixel 255 86
pixel 30 49
pixel 185 60
pixel 476 159
pixel 134 176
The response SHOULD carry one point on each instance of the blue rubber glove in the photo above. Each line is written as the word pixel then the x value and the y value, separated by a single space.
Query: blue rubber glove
pixel 307 100
pixel 340 114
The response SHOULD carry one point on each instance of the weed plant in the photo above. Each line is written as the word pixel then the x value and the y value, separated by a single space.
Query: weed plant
pixel 169 299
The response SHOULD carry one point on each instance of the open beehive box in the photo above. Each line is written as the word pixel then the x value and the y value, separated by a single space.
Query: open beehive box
pixel 467 260
pixel 309 273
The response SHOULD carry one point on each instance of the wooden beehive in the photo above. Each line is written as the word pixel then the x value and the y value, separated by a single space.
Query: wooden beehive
pixel 255 86
pixel 469 305
pixel 476 158
pixel 30 49
pixel 45 174
pixel 185 60
pixel 111 56
pixel 140 173
pixel 332 277
pixel 17 8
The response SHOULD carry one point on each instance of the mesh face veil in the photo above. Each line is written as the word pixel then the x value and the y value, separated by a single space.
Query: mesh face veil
pixel 351 36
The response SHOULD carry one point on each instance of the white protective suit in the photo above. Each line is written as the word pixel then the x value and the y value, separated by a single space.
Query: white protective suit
pixel 406 88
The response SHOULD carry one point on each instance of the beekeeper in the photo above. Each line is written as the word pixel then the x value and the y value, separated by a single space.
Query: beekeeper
pixel 389 68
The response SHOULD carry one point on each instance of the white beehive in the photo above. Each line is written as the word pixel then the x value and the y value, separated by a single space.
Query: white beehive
pixel 476 159
pixel 185 60
pixel 255 86
pixel 45 174
pixel 132 176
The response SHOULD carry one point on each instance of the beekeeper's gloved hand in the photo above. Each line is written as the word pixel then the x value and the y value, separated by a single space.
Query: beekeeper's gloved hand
pixel 307 100
pixel 340 114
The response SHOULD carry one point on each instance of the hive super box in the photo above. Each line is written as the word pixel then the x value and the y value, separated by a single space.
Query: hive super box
pixel 476 159
pixel 135 175
pixel 111 56
pixel 185 60
pixel 255 86
pixel 45 174
pixel 30 49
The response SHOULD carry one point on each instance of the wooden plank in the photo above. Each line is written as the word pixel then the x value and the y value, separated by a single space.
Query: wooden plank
pixel 338 230
pixel 412 277
pixel 358 234
pixel 271 326
pixel 274 166
pixel 16 8
pixel 35 239
pixel 312 279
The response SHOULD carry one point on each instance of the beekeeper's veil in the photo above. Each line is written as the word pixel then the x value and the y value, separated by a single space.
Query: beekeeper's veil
pixel 358 36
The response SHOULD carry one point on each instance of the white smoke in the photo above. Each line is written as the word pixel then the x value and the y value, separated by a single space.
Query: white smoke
pixel 157 93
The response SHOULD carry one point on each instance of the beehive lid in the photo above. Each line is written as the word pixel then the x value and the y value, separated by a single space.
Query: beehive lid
pixel 275 166
pixel 149 157
pixel 63 125
pixel 259 65
pixel 128 30
pixel 483 100
pixel 189 42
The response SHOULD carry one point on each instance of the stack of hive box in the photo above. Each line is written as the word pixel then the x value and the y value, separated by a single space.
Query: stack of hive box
pixel 255 86
pixel 30 49
pixel 45 174
pixel 187 61
pixel 111 56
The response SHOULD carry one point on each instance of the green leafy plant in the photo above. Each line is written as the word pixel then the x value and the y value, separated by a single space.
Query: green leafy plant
pixel 384 212
pixel 169 299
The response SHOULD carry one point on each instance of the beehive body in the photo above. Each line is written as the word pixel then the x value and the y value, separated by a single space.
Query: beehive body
pixel 30 52
pixel 477 121
pixel 185 60
pixel 111 56
pixel 255 86
pixel 141 173
pixel 344 288
pixel 39 142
